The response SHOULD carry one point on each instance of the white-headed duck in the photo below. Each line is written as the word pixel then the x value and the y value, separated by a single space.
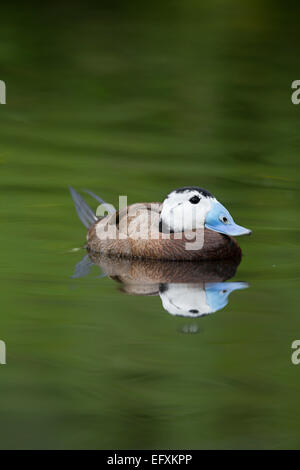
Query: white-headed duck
pixel 189 225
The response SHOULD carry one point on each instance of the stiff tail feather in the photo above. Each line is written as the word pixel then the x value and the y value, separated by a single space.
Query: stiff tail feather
pixel 85 213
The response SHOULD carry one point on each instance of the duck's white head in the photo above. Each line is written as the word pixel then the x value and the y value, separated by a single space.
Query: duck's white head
pixel 195 208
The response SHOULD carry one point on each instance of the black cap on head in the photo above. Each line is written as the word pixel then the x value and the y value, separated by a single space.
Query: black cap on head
pixel 202 191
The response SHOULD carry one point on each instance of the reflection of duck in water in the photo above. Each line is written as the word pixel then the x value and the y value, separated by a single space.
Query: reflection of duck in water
pixel 196 300
pixel 186 288
pixel 189 225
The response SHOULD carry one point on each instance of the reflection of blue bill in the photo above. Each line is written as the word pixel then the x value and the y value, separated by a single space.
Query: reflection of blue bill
pixel 217 293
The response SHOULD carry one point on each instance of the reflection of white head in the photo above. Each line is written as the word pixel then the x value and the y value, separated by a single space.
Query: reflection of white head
pixel 185 209
pixel 195 300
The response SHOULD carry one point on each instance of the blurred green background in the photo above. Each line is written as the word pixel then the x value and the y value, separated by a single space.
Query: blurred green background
pixel 139 98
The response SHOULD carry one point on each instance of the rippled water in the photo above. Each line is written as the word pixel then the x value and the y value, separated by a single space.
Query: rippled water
pixel 139 100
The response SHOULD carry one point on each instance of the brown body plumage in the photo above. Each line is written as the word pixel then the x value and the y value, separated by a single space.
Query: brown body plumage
pixel 136 235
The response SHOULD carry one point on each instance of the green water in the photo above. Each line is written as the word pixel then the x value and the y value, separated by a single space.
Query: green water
pixel 139 99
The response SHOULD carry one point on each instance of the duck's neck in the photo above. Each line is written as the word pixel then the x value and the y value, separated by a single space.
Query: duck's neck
pixel 163 228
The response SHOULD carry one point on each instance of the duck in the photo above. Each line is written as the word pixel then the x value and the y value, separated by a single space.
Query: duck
pixel 189 225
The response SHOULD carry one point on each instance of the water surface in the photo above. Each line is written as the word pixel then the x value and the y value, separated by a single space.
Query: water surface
pixel 139 100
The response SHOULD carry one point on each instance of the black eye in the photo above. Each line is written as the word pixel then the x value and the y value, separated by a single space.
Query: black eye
pixel 195 199
pixel 224 219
